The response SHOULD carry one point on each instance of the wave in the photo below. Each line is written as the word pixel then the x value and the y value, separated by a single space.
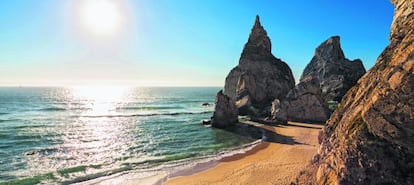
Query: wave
pixel 173 165
pixel 144 115
pixel 149 107
pixel 3 113
pixel 53 109
pixel 7 120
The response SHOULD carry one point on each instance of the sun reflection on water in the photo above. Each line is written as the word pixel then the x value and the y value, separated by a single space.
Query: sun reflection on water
pixel 96 137
pixel 101 99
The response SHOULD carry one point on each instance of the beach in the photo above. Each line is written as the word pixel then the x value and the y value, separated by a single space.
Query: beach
pixel 266 163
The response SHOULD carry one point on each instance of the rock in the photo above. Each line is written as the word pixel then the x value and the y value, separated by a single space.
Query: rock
pixel 225 112
pixel 336 74
pixel 303 104
pixel 206 122
pixel 31 152
pixel 244 105
pixel 369 137
pixel 275 107
pixel 206 104
pixel 326 78
pixel 259 77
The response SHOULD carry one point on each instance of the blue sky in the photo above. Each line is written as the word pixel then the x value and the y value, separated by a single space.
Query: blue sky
pixel 176 42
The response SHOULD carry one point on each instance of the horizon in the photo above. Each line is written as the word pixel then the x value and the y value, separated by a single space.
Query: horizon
pixel 104 86
pixel 180 43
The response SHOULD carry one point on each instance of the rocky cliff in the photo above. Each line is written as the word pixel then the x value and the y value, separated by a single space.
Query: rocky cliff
pixel 369 137
pixel 327 77
pixel 260 77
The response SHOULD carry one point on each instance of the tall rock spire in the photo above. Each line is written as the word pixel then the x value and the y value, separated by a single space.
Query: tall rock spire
pixel 260 77
pixel 325 79
pixel 258 42
pixel 329 64
pixel 330 50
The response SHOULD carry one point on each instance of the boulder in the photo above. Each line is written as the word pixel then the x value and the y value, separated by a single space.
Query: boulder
pixel 369 137
pixel 225 112
pixel 259 77
pixel 304 103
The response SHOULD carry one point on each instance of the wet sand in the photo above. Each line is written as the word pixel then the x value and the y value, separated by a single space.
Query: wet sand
pixel 276 162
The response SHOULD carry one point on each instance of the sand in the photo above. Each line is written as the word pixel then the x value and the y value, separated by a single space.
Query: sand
pixel 267 163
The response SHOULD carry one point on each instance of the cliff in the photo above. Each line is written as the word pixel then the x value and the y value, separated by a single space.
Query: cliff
pixel 327 77
pixel 369 137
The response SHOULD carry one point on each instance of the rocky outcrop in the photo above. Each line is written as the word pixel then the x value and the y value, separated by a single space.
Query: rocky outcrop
pixel 304 103
pixel 260 77
pixel 369 137
pixel 336 74
pixel 325 79
pixel 225 112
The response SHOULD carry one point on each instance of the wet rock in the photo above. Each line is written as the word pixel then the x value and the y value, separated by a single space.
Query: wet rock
pixel 206 104
pixel 206 122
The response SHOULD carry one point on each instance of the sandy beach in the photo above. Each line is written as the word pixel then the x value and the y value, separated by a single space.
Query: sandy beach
pixel 267 163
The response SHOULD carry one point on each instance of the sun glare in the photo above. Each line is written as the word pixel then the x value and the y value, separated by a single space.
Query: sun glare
pixel 101 17
pixel 103 99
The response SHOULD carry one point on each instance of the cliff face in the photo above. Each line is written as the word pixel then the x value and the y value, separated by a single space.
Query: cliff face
pixel 369 137
pixel 327 77
pixel 335 73
pixel 260 77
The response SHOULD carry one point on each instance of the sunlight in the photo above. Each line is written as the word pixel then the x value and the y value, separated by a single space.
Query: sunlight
pixel 101 17
pixel 103 99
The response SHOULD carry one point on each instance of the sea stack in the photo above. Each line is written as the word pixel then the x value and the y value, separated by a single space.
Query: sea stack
pixel 225 112
pixel 325 80
pixel 259 78
pixel 369 137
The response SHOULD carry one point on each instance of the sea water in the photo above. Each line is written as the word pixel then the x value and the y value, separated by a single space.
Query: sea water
pixel 64 135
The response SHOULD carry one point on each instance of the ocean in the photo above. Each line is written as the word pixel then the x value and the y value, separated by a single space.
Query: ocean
pixel 58 135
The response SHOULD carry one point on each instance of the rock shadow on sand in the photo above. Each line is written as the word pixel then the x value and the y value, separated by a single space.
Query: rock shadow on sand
pixel 256 132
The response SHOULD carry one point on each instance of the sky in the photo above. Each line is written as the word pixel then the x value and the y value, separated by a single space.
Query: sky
pixel 173 42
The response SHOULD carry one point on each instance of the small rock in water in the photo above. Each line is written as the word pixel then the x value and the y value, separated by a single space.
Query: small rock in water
pixel 206 122
pixel 205 104
pixel 225 112
pixel 31 152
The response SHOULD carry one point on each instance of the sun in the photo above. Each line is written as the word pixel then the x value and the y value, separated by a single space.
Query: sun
pixel 101 17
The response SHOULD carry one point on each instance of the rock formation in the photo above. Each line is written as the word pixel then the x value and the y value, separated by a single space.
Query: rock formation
pixel 225 112
pixel 325 79
pixel 369 137
pixel 260 77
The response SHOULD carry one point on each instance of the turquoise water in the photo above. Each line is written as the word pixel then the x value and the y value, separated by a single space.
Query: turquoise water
pixel 64 135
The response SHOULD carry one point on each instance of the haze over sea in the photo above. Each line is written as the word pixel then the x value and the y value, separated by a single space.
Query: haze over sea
pixel 64 135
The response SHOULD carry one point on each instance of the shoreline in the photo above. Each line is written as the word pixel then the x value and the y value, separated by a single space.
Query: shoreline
pixel 160 174
pixel 255 156
pixel 266 163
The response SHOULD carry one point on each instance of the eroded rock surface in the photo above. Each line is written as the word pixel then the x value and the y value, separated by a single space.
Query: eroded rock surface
pixel 225 112
pixel 260 77
pixel 325 79
pixel 369 137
